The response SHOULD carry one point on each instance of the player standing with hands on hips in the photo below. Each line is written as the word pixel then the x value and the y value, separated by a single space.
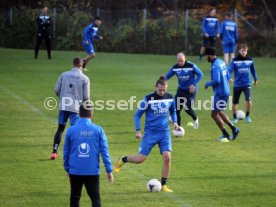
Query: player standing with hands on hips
pixel 220 84
pixel 242 66
pixel 188 75
pixel 157 106
pixel 89 34
pixel 44 24
pixel 210 27
pixel 84 143
pixel 229 36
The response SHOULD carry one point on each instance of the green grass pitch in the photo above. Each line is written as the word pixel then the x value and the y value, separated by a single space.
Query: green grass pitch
pixel 204 172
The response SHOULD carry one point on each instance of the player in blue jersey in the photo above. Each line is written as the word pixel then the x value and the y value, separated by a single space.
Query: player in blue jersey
pixel 84 143
pixel 157 107
pixel 220 84
pixel 229 36
pixel 210 27
pixel 188 75
pixel 242 66
pixel 89 34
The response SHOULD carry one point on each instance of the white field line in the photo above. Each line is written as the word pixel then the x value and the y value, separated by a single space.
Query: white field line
pixel 26 103
pixel 177 199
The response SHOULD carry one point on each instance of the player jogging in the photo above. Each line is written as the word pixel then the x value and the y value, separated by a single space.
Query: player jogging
pixel 72 87
pixel 220 83
pixel 89 34
pixel 157 107
pixel 229 36
pixel 242 66
pixel 188 75
pixel 210 27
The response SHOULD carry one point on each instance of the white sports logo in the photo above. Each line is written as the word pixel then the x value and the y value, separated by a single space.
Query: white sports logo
pixel 84 149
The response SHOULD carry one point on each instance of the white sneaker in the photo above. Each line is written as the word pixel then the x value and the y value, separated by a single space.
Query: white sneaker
pixel 196 124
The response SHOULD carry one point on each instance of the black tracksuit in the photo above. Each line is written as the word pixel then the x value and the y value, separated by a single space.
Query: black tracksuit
pixel 44 23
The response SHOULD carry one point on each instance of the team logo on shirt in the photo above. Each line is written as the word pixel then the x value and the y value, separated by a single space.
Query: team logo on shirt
pixel 84 150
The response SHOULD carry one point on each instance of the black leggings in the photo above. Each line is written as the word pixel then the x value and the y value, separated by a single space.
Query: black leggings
pixel 47 38
pixel 92 185
pixel 184 98
pixel 57 138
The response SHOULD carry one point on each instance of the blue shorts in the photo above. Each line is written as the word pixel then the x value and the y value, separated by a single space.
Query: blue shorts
pixel 219 103
pixel 89 49
pixel 237 93
pixel 229 47
pixel 150 139
pixel 64 115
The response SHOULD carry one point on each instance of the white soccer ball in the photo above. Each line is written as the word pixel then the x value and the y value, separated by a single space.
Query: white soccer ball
pixel 179 133
pixel 240 115
pixel 154 185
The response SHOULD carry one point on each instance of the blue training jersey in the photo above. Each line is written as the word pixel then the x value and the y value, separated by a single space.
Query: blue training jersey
pixel 219 78
pixel 229 31
pixel 210 25
pixel 157 109
pixel 189 74
pixel 84 143
pixel 242 67
pixel 90 33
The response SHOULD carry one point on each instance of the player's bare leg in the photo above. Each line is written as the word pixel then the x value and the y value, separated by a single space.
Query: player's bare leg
pixel 234 112
pixel 232 55
pixel 138 159
pixel 219 121
pixel 201 52
pixel 87 59
pixel 226 58
pixel 225 118
pixel 166 156
pixel 248 106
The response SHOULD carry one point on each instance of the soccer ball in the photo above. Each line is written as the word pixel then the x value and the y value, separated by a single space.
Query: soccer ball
pixel 240 114
pixel 154 185
pixel 179 133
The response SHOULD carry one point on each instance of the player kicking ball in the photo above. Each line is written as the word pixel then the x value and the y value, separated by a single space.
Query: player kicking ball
pixel 242 66
pixel 220 83
pixel 157 107
pixel 89 34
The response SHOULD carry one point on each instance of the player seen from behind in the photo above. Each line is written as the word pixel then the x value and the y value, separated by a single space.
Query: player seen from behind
pixel 220 84
pixel 72 88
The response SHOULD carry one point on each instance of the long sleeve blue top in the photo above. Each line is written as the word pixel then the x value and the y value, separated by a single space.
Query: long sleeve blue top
pixel 84 143
pixel 229 31
pixel 219 78
pixel 157 109
pixel 210 25
pixel 90 33
pixel 243 67
pixel 189 74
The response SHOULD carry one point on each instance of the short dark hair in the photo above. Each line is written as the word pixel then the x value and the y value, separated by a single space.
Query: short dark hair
pixel 228 14
pixel 210 51
pixel 98 18
pixel 86 109
pixel 161 81
pixel 76 61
